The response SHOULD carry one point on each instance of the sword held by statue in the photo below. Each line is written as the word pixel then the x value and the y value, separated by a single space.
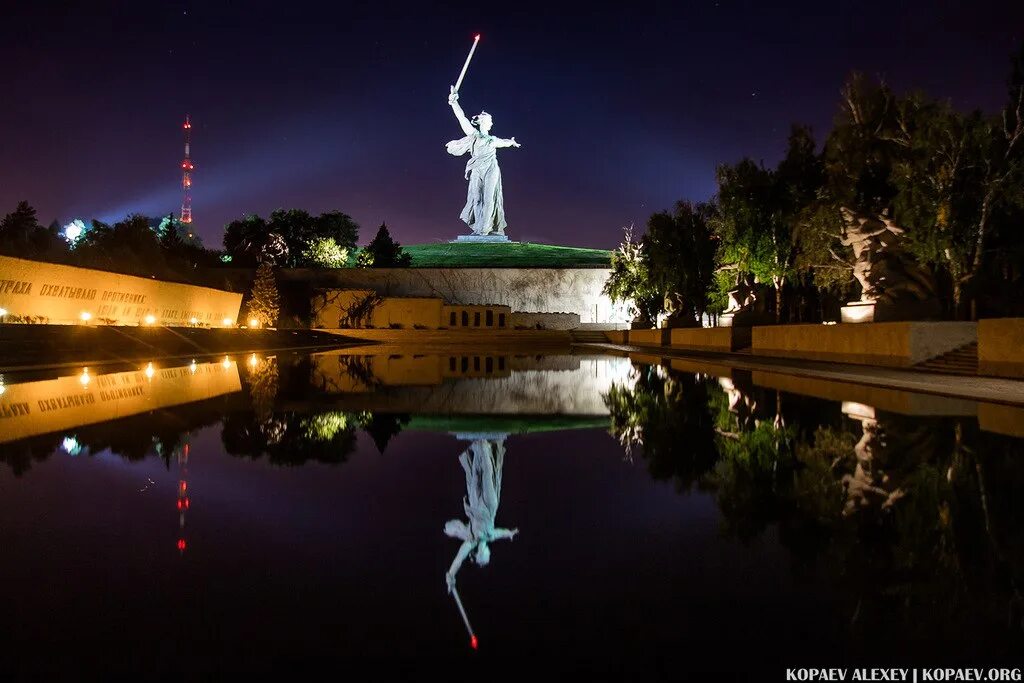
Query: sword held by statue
pixel 465 66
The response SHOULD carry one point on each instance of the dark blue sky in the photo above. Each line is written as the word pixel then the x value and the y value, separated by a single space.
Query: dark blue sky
pixel 621 110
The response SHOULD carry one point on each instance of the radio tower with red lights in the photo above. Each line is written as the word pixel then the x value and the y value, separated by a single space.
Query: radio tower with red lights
pixel 186 178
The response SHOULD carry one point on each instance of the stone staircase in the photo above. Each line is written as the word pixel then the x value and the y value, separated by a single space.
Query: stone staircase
pixel 588 337
pixel 959 361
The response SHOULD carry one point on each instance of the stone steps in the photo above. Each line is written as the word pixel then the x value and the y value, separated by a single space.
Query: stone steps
pixel 588 336
pixel 959 361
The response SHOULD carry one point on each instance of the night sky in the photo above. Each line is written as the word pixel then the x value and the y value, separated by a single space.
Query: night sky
pixel 620 111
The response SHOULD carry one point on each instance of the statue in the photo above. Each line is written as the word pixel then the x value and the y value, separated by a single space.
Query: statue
pixel 746 307
pixel 743 295
pixel 482 463
pixel 870 482
pixel 893 285
pixel 484 212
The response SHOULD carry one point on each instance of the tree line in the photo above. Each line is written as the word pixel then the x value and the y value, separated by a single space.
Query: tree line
pixel 165 248
pixel 953 181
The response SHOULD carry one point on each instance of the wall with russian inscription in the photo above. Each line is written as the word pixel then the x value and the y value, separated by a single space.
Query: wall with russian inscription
pixel 33 291
pixel 51 405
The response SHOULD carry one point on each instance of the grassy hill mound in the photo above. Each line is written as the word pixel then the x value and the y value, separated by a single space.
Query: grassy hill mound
pixel 507 255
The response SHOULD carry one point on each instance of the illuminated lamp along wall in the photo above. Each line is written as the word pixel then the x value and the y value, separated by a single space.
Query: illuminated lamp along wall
pixel 32 291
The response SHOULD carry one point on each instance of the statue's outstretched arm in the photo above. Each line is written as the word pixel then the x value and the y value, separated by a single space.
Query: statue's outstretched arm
pixel 453 100
pixel 505 533
pixel 460 557
pixel 502 142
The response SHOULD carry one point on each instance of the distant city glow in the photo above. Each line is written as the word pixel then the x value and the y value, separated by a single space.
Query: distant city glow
pixel 86 316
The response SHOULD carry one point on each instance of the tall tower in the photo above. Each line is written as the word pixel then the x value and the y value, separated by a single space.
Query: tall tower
pixel 186 177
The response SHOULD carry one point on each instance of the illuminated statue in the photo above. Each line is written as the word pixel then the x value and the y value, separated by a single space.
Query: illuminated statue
pixel 743 295
pixel 482 462
pixel 484 212
pixel 892 283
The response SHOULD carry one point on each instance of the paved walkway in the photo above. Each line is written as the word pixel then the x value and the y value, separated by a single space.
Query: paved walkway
pixel 991 389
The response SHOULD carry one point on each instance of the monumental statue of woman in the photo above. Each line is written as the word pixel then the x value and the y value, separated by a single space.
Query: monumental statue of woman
pixel 484 212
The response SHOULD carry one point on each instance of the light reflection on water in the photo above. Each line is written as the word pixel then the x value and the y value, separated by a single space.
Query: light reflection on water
pixel 336 505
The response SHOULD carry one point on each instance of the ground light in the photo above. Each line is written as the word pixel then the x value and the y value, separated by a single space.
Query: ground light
pixel 150 319
pixel 253 322
pixel 226 364
pixel 3 312
pixel 227 322
pixel 150 371
pixel 84 378
pixel 86 316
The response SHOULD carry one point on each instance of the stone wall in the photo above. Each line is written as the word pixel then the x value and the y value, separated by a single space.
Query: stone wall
pixel 893 344
pixel 33 291
pixel 1001 347
pixel 566 290
pixel 546 321
pixel 52 405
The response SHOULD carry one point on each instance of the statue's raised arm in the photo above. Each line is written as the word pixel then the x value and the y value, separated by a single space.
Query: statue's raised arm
pixel 453 102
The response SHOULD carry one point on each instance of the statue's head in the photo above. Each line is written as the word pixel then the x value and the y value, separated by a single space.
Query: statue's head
pixel 483 121
pixel 483 554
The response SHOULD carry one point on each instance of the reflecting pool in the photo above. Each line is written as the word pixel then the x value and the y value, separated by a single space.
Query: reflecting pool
pixel 256 511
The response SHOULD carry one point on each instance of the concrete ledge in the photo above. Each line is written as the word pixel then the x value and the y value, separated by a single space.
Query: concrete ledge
pixel 490 337
pixel 1008 420
pixel 649 337
pixel 902 344
pixel 1001 347
pixel 617 336
pixel 711 338
pixel 882 398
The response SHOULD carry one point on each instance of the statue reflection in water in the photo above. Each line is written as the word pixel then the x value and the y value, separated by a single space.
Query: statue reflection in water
pixel 482 463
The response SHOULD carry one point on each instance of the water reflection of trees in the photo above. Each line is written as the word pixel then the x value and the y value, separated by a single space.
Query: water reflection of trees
pixel 914 518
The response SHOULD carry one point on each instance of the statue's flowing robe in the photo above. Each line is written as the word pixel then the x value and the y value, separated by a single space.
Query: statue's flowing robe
pixel 484 212
pixel 483 492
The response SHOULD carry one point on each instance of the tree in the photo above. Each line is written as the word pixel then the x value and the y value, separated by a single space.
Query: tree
pixel 264 300
pixel 384 252
pixel 17 226
pixel 170 239
pixel 630 281
pixel 338 226
pixel 682 253
pixel 296 227
pixel 748 222
pixel 324 252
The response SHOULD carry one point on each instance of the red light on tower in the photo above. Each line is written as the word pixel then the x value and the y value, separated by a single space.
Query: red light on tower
pixel 186 176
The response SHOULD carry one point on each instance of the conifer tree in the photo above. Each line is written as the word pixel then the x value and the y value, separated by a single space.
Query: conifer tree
pixel 264 302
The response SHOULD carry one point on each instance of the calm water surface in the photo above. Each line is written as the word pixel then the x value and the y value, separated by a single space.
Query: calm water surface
pixel 255 512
